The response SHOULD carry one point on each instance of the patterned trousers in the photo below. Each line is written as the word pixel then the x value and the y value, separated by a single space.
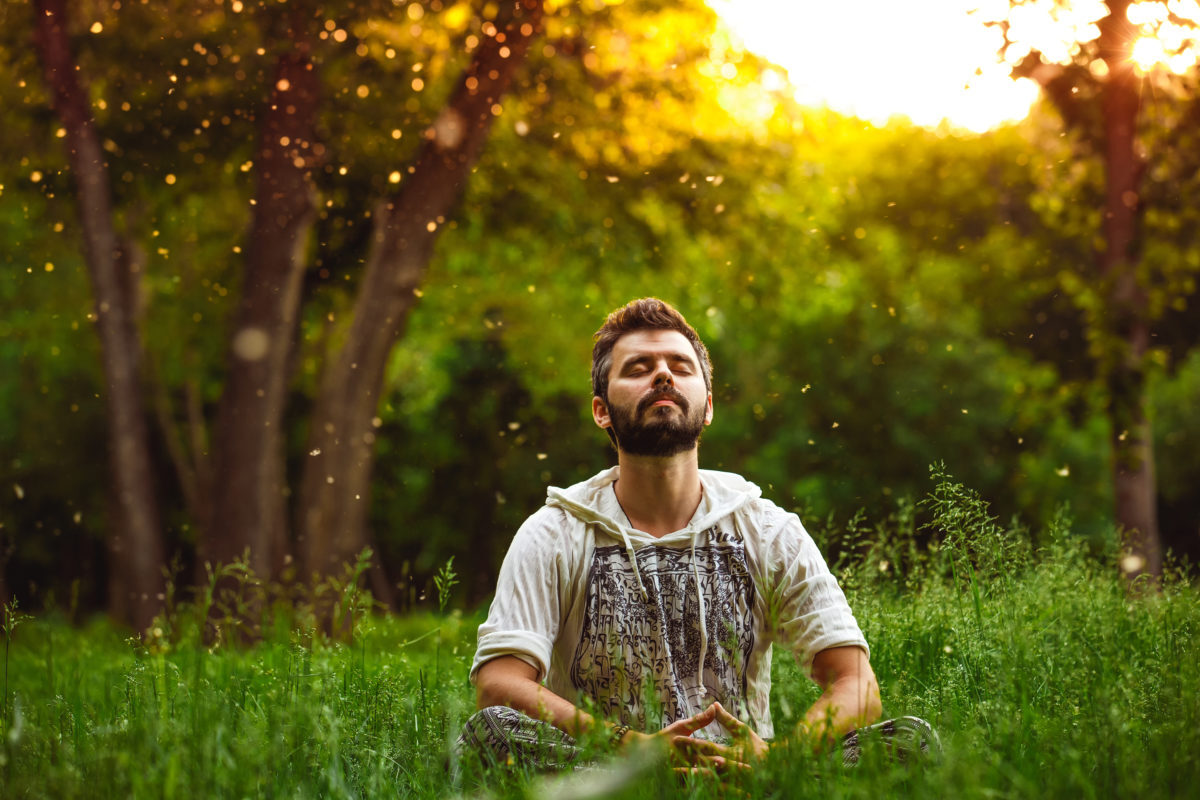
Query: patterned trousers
pixel 505 737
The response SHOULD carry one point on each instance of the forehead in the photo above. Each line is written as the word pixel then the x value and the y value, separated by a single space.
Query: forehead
pixel 637 344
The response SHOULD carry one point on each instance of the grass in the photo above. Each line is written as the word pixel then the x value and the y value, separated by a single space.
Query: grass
pixel 1041 673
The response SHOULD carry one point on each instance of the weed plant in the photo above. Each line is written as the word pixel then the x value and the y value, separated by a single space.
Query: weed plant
pixel 1043 674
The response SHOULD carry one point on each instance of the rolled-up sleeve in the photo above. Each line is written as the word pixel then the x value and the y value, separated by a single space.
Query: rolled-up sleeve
pixel 806 608
pixel 523 620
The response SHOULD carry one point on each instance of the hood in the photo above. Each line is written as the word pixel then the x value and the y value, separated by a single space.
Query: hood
pixel 592 502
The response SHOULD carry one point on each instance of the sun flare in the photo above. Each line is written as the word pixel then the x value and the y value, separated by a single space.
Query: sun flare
pixel 936 62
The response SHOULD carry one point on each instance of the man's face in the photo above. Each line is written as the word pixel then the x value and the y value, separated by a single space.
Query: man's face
pixel 657 401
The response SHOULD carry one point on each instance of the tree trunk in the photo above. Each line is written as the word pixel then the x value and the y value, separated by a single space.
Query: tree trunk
pixel 135 547
pixel 335 488
pixel 1127 325
pixel 248 499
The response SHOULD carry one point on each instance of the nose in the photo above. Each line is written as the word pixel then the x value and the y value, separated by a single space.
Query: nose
pixel 663 377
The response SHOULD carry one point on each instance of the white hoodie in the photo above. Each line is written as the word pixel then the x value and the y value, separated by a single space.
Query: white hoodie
pixel 650 630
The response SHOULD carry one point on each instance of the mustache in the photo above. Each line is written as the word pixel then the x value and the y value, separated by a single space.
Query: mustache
pixel 666 393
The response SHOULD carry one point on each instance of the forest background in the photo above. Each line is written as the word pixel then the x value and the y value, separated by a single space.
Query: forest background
pixel 345 260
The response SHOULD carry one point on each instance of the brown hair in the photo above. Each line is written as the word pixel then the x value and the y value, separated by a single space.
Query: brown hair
pixel 648 313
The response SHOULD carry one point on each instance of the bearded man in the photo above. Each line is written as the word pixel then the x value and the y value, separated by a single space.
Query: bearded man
pixel 642 605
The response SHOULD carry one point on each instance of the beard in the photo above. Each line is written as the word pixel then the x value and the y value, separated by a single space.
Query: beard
pixel 658 432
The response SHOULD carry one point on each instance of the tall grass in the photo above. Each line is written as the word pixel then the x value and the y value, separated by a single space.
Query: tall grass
pixel 1042 675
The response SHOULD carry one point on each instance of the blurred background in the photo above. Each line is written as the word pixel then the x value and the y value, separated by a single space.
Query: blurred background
pixel 286 280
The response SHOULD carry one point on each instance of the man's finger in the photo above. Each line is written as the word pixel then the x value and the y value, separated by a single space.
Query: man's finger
pixel 728 721
pixel 698 721
pixel 694 723
pixel 701 746
pixel 724 765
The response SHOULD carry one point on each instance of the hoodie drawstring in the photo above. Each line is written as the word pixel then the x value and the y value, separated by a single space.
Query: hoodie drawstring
pixel 703 624
pixel 637 573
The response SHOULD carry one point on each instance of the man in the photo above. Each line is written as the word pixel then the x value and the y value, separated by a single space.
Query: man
pixel 641 605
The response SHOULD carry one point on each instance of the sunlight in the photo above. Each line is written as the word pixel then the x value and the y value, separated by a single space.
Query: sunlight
pixel 878 59
pixel 938 64
pixel 1149 52
pixel 1164 44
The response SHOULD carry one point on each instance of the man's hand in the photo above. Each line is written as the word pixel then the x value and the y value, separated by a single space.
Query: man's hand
pixel 748 744
pixel 692 755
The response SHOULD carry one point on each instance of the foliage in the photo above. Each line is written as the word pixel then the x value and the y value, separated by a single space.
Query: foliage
pixel 1041 676
pixel 875 299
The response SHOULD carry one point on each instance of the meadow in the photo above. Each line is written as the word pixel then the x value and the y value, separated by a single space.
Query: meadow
pixel 1044 675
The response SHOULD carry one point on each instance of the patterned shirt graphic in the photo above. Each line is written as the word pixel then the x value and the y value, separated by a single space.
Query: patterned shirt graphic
pixel 635 649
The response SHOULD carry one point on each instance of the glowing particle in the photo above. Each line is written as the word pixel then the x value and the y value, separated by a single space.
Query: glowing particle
pixel 448 129
pixel 1132 563
pixel 251 344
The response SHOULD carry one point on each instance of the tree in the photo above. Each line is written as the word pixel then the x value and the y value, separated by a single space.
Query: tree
pixel 238 494
pixel 1099 95
pixel 134 531
pixel 335 489
pixel 248 501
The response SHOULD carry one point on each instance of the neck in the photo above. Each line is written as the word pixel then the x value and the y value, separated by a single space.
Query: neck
pixel 659 495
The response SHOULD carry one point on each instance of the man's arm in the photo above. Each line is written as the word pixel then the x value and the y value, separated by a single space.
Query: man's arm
pixel 849 697
pixel 509 681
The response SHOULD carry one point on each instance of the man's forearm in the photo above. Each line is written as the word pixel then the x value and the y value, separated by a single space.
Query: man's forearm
pixel 850 698
pixel 508 681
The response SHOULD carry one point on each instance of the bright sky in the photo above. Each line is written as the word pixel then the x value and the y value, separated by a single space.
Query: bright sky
pixel 876 58
pixel 926 59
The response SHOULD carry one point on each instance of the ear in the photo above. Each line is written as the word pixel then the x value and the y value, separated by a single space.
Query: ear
pixel 708 410
pixel 600 413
